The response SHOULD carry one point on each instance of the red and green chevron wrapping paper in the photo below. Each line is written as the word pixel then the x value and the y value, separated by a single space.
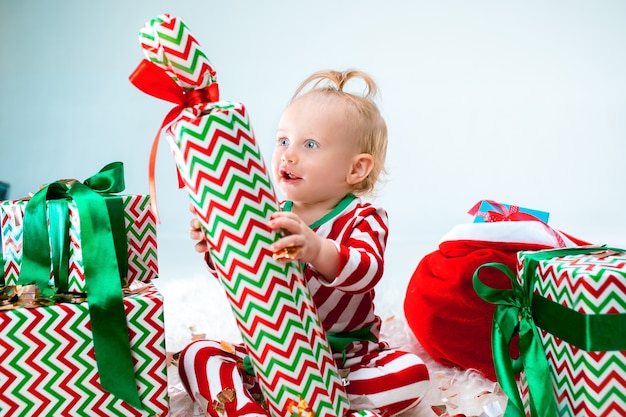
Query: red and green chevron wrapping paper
pixel 48 366
pixel 140 232
pixel 229 187
pixel 585 383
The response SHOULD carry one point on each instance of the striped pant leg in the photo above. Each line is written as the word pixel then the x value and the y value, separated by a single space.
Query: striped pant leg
pixel 206 371
pixel 388 382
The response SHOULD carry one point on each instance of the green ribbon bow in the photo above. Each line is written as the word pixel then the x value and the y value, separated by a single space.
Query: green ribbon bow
pixel 101 266
pixel 520 311
pixel 339 342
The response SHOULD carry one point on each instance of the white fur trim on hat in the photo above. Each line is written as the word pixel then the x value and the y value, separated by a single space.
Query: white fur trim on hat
pixel 532 232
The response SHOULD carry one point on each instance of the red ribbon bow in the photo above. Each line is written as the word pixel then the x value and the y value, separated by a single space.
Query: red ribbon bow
pixel 153 80
pixel 505 213
pixel 511 213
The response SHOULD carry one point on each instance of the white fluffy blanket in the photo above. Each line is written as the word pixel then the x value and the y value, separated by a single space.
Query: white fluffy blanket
pixel 196 304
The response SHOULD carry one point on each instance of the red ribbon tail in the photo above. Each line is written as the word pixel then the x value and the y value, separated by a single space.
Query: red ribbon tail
pixel 151 180
pixel 475 208
pixel 154 80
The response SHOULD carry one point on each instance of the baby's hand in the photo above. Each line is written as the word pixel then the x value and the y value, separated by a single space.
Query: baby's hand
pixel 298 241
pixel 197 234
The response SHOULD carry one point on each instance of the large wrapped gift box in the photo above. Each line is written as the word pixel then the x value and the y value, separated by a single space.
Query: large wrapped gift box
pixel 140 234
pixel 80 241
pixel 48 365
pixel 568 307
pixel 221 166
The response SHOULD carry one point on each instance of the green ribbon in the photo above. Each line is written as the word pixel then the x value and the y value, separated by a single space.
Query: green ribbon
pixel 101 268
pixel 339 342
pixel 520 311
pixel 110 180
pixel 58 215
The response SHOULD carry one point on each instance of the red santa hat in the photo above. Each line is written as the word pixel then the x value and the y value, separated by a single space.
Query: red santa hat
pixel 451 322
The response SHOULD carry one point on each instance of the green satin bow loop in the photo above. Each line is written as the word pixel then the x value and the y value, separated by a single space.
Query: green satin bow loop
pixel 513 316
pixel 59 218
pixel 102 276
pixel 36 249
pixel 110 179
pixel 521 311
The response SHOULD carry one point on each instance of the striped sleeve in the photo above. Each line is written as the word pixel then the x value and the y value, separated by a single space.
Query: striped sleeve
pixel 360 235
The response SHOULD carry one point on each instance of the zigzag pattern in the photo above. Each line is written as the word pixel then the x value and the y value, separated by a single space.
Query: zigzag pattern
pixel 140 232
pixel 47 364
pixel 142 238
pixel 76 271
pixel 168 43
pixel 585 383
pixel 227 182
pixel 587 284
pixel 11 214
pixel 229 187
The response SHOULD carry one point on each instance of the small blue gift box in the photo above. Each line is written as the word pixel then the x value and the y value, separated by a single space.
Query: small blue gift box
pixel 486 211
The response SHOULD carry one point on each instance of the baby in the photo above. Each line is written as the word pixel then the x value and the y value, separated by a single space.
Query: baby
pixel 330 150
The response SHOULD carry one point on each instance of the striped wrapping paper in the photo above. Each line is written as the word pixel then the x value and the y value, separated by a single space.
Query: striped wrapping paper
pixel 140 232
pixel 230 190
pixel 48 366
pixel 586 383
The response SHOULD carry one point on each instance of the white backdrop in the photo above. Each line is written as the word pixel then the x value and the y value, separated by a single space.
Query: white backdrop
pixel 522 102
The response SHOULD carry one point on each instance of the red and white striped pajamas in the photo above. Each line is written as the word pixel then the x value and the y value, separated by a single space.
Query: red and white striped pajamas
pixel 382 380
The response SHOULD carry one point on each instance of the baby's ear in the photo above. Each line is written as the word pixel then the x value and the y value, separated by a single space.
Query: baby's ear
pixel 361 167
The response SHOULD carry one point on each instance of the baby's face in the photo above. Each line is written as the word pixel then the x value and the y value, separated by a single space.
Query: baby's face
pixel 315 148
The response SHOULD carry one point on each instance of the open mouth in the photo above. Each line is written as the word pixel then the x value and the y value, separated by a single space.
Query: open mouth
pixel 288 175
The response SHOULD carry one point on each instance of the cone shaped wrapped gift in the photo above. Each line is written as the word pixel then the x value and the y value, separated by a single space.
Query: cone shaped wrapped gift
pixel 222 168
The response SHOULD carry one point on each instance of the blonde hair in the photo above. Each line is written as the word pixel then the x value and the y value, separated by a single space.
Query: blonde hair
pixel 370 127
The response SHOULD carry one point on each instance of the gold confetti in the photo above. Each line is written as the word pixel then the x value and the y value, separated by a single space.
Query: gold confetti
pixel 218 407
pixel 287 253
pixel 302 409
pixel 135 287
pixel 344 372
pixel 171 359
pixel 227 395
pixel 227 347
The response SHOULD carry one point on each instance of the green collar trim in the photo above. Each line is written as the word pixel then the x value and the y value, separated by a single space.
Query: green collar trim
pixel 345 202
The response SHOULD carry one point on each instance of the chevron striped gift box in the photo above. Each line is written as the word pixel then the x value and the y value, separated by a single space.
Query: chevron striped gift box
pixel 231 193
pixel 588 380
pixel 568 307
pixel 48 366
pixel 140 226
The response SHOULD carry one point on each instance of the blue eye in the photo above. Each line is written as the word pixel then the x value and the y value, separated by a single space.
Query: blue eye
pixel 311 144
pixel 283 142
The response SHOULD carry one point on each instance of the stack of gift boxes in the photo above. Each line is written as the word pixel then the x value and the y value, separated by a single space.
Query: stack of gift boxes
pixel 566 314
pixel 81 323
